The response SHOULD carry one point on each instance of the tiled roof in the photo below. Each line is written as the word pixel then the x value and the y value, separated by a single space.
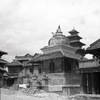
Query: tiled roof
pixel 3 52
pixel 77 41
pixel 54 55
pixel 17 63
pixel 94 45
pixel 48 56
pixel 71 55
pixel 71 36
pixel 73 30
pixel 26 57
pixel 14 63
pixel 3 61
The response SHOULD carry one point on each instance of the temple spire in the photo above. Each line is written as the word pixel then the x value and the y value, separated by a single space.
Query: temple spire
pixel 58 30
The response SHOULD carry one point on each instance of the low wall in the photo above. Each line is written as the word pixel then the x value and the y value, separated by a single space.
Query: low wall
pixel 85 97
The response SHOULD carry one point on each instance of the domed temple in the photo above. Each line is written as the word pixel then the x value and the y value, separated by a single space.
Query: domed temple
pixel 59 63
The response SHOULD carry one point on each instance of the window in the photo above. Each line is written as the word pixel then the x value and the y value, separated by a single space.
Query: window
pixel 31 70
pixel 13 70
pixel 67 66
pixel 52 67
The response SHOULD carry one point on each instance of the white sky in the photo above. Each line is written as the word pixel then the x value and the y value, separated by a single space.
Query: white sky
pixel 26 25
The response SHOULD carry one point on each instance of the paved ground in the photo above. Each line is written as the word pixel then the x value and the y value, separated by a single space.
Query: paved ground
pixel 6 94
pixel 12 95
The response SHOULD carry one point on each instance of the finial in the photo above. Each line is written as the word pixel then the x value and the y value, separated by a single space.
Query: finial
pixel 59 27
pixel 59 30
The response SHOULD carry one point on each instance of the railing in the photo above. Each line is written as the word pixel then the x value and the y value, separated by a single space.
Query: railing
pixel 89 63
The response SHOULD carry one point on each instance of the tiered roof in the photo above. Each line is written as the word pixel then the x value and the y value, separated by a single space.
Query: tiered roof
pixel 14 63
pixel 73 31
pixel 18 59
pixel 23 58
pixel 75 39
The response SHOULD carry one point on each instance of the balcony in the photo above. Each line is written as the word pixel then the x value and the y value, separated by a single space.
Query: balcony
pixel 89 63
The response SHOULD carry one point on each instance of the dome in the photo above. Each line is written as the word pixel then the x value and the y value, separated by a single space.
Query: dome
pixel 58 39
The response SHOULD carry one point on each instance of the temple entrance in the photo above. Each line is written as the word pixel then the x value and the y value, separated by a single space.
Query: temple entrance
pixel 96 80
pixel 91 83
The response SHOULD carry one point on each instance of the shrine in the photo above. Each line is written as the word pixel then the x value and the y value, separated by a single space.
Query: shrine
pixel 59 62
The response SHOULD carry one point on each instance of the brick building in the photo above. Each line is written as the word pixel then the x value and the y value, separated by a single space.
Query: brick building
pixel 19 70
pixel 2 67
pixel 59 62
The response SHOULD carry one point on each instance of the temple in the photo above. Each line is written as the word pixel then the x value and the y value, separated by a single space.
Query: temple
pixel 54 70
pixel 59 63
pixel 75 39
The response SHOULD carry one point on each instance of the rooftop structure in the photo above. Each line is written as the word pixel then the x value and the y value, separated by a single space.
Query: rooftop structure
pixel 74 39
pixel 59 62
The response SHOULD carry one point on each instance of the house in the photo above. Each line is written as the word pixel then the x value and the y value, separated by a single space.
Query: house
pixel 90 70
pixel 59 62
pixel 19 70
pixel 2 67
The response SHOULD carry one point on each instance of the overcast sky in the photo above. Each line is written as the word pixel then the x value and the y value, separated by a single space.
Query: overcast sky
pixel 26 25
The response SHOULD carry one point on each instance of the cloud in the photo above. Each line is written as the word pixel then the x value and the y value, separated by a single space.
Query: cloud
pixel 26 25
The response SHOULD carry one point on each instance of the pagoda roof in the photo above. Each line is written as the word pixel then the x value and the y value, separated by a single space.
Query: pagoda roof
pixel 76 41
pixel 54 55
pixel 17 63
pixel 73 31
pixel 26 57
pixel 94 48
pixel 3 61
pixel 70 36
pixel 94 45
pixel 3 52
pixel 14 63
